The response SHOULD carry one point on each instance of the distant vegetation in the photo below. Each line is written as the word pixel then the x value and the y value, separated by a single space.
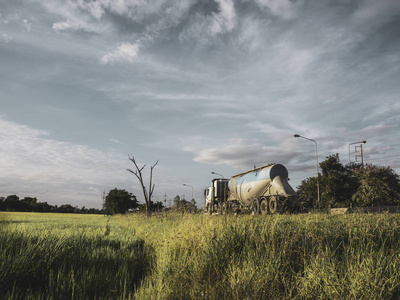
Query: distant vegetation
pixel 351 185
pixel 117 201
pixel 197 256
pixel 31 204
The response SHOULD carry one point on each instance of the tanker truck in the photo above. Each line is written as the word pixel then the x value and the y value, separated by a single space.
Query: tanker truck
pixel 260 190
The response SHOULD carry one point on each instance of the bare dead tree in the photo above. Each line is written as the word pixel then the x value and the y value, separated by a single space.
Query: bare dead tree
pixel 138 173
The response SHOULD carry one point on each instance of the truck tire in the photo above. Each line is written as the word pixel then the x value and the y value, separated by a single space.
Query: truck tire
pixel 255 208
pixel 273 205
pixel 264 206
pixel 221 208
pixel 208 209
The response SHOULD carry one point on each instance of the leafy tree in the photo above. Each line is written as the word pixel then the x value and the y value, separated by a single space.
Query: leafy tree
pixel 119 202
pixel 154 206
pixel 12 203
pixel 12 198
pixel 342 186
pixel 158 205
pixel 44 207
pixel 378 185
pixel 307 190
pixel 66 208
pixel 193 204
pixel 337 184
pixel 183 205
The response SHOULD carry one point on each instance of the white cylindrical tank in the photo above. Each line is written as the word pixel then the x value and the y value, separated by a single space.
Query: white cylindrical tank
pixel 268 180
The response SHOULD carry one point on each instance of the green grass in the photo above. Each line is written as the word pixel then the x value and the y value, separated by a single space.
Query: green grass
pixel 195 256
pixel 53 256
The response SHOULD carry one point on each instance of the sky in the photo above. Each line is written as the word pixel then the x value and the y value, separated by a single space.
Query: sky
pixel 199 86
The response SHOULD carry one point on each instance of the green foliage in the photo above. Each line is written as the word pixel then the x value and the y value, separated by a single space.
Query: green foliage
pixel 119 202
pixel 378 186
pixel 29 204
pixel 184 205
pixel 337 183
pixel 308 190
pixel 352 185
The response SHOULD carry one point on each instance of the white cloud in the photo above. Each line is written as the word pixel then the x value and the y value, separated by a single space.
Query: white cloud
pixel 239 151
pixel 161 13
pixel 372 12
pixel 122 6
pixel 35 165
pixel 95 8
pixel 6 38
pixel 27 26
pixel 69 25
pixel 300 60
pixel 257 78
pixel 125 52
pixel 282 8
pixel 225 20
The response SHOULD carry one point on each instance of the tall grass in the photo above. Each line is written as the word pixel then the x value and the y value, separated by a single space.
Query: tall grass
pixel 189 256
pixel 272 257
pixel 69 257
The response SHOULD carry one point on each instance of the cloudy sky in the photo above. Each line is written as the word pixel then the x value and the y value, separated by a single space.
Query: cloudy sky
pixel 201 86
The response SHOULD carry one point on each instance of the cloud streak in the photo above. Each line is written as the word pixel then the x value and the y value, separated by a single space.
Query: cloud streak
pixel 125 52
pixel 225 19
pixel 32 162
pixel 196 84
pixel 374 13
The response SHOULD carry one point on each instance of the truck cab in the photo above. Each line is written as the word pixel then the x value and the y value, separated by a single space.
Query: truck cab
pixel 217 194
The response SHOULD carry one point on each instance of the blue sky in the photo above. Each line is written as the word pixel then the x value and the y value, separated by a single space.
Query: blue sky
pixel 201 86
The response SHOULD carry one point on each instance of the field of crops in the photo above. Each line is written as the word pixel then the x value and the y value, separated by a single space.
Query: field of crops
pixel 196 256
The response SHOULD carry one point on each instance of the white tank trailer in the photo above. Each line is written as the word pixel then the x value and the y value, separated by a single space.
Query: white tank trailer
pixel 261 190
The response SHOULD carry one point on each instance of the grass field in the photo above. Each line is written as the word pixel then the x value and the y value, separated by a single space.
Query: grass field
pixel 196 256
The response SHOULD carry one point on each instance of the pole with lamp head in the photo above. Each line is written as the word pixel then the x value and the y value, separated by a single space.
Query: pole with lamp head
pixel 316 156
pixel 362 158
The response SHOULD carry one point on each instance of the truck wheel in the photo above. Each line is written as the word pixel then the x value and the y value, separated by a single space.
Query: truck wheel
pixel 273 205
pixel 221 208
pixel 208 209
pixel 264 206
pixel 255 207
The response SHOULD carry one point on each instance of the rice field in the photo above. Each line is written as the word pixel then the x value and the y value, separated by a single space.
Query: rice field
pixel 196 256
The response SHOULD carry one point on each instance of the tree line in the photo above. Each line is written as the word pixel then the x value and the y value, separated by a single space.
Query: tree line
pixel 117 201
pixel 31 204
pixel 351 185
pixel 120 201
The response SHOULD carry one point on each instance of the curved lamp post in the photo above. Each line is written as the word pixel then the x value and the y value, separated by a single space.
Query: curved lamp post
pixel 191 187
pixel 217 174
pixel 316 156
pixel 360 142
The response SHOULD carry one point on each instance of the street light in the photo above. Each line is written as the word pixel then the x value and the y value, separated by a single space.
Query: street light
pixel 361 142
pixel 316 156
pixel 189 186
pixel 217 174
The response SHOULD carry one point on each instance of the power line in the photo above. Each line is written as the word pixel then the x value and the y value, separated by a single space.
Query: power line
pixel 304 176
pixel 384 157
